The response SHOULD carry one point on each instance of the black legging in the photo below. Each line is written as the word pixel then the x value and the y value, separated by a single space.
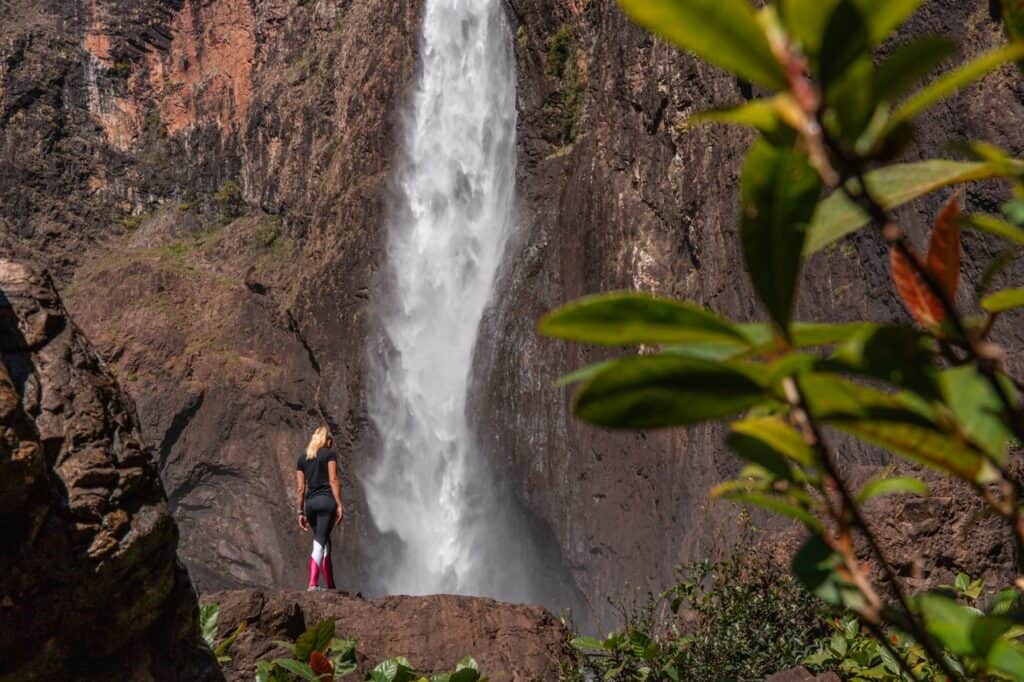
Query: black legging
pixel 320 512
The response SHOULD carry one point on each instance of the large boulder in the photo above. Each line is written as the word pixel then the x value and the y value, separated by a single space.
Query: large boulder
pixel 509 641
pixel 90 585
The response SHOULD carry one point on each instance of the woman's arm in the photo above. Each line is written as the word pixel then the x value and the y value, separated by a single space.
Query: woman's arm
pixel 300 494
pixel 332 472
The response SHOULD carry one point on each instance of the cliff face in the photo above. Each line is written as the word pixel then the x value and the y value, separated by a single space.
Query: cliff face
pixel 208 178
pixel 90 584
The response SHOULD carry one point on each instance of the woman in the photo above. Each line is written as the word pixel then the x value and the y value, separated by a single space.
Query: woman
pixel 319 499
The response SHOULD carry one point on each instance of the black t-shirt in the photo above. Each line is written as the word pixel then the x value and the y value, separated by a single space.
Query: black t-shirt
pixel 318 481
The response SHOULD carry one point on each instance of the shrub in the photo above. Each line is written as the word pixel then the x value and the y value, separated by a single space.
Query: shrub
pixel 739 619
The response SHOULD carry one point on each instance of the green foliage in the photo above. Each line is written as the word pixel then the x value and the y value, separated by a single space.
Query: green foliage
pixel 860 657
pixel 893 186
pixel 731 620
pixel 562 111
pixel 208 615
pixel 779 193
pixel 318 655
pixel 228 198
pixel 833 118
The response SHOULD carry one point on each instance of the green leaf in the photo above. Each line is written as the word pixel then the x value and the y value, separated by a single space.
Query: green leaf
pixel 587 644
pixel 893 186
pixel 896 354
pixel 909 64
pixel 297 668
pixel 779 191
pixel 838 644
pixel 467 663
pixel 627 319
pixel 1001 301
pixel 760 114
pixel 287 645
pixel 885 16
pixel 761 337
pixel 978 409
pixel 1002 260
pixel 773 503
pixel 208 614
pixel 962 630
pixel 583 373
pixel 955 81
pixel 814 565
pixel 846 41
pixel 891 486
pixel 1013 17
pixel 655 391
pixel 775 434
pixel 851 101
pixel 465 675
pixel 806 19
pixel 1007 656
pixel 996 226
pixel 392 670
pixel 894 423
pixel 317 638
pixel 726 33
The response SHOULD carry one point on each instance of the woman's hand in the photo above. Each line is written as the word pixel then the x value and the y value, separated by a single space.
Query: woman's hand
pixel 303 523
pixel 339 515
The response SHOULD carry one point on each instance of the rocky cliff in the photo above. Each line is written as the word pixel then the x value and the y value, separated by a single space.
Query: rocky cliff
pixel 209 177
pixel 90 586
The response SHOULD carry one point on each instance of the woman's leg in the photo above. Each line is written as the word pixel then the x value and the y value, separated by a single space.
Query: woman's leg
pixel 326 567
pixel 320 514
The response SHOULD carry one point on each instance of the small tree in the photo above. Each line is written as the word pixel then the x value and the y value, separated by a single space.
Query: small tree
pixel 935 393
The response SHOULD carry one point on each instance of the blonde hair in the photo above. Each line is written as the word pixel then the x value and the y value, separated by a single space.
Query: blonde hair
pixel 320 438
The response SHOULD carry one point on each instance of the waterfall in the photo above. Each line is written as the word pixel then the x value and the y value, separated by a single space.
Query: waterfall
pixel 451 219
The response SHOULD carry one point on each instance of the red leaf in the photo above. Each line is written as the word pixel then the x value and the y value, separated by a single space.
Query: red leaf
pixel 944 249
pixel 912 288
pixel 320 665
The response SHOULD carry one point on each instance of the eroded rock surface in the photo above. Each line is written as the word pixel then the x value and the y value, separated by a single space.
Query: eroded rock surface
pixel 509 641
pixel 90 586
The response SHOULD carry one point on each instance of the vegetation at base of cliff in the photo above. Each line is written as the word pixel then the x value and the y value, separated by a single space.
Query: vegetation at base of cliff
pixel 317 655
pixel 739 619
pixel 562 111
pixel 932 388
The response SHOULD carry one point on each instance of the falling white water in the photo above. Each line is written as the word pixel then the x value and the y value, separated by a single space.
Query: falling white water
pixel 452 219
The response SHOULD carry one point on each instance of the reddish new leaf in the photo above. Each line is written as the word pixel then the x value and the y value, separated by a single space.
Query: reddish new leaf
pixel 912 288
pixel 944 249
pixel 320 665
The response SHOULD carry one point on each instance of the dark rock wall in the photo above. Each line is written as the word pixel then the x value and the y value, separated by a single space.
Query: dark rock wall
pixel 209 179
pixel 90 586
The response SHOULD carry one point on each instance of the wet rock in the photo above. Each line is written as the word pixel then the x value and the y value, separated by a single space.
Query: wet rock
pixel 91 586
pixel 508 641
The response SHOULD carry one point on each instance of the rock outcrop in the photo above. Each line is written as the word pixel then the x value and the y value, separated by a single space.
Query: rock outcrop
pixel 90 586
pixel 509 642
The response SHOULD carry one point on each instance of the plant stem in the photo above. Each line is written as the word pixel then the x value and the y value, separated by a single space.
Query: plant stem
pixel 813 437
